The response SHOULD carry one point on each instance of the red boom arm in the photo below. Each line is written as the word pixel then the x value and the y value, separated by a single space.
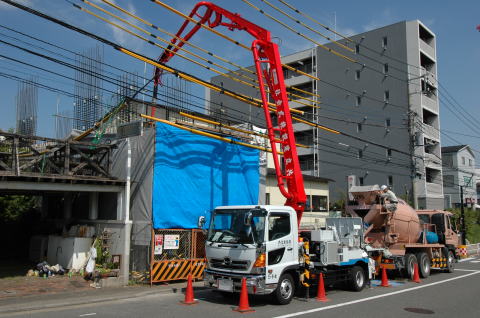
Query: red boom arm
pixel 269 70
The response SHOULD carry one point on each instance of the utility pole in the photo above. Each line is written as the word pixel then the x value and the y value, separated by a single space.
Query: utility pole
pixel 462 217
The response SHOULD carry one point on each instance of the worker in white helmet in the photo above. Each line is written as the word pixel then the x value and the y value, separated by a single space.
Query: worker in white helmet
pixel 389 198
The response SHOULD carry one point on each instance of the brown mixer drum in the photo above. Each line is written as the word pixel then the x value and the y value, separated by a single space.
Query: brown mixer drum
pixel 404 223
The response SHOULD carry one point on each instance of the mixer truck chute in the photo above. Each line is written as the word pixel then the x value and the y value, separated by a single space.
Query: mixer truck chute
pixel 402 238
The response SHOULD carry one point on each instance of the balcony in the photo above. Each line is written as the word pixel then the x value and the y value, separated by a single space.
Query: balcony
pixel 430 132
pixel 430 103
pixel 434 189
pixel 429 77
pixel 297 80
pixel 427 49
pixel 304 151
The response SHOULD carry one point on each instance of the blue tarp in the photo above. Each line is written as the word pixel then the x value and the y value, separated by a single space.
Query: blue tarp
pixel 193 174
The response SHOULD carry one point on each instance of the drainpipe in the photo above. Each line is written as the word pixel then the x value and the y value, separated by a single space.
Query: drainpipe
pixel 127 223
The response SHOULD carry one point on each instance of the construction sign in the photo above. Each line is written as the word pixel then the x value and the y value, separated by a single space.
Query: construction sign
pixel 158 247
pixel 171 242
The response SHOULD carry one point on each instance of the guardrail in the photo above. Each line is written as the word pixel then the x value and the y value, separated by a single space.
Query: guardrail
pixel 473 249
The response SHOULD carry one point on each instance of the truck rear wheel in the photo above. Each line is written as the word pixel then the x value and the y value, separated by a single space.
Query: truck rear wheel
pixel 423 265
pixel 410 261
pixel 357 278
pixel 285 290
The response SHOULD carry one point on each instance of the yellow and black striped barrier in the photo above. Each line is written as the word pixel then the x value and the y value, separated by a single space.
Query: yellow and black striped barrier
pixel 163 271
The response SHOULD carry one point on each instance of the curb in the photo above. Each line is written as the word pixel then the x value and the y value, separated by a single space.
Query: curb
pixel 72 301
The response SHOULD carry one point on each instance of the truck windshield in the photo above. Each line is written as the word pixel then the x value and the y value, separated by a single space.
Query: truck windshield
pixel 228 226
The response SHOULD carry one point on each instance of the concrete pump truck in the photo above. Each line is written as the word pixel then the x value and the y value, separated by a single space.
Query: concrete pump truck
pixel 266 244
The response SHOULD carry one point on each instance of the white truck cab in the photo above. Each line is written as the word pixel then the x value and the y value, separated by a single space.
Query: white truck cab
pixel 256 242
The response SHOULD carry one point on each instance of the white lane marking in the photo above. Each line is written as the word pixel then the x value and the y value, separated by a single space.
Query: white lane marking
pixel 466 259
pixel 465 270
pixel 374 297
pixel 475 262
pixel 90 314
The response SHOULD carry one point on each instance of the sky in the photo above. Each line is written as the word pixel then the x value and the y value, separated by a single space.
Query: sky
pixel 454 23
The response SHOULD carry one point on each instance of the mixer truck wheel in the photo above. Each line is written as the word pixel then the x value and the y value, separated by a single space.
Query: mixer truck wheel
pixel 285 290
pixel 410 260
pixel 423 265
pixel 357 278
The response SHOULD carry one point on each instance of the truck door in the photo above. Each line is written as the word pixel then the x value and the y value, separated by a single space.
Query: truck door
pixel 451 236
pixel 280 245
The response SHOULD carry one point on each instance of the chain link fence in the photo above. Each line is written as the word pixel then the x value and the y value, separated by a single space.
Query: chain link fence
pixel 177 254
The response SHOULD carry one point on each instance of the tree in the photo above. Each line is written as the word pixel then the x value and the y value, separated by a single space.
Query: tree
pixel 13 207
pixel 472 223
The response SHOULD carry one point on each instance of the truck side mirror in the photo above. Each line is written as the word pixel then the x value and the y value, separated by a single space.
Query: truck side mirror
pixel 248 219
pixel 201 221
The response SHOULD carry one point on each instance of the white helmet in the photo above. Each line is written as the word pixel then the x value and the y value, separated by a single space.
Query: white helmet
pixel 383 187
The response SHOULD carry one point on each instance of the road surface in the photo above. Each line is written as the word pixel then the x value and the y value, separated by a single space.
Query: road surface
pixel 440 295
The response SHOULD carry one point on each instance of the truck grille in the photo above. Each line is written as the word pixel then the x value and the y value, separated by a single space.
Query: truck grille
pixel 228 264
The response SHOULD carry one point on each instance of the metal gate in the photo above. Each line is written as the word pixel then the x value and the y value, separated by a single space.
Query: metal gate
pixel 176 253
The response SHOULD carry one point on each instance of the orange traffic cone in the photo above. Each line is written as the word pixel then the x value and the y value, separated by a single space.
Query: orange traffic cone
pixel 321 290
pixel 243 306
pixel 384 278
pixel 189 300
pixel 416 277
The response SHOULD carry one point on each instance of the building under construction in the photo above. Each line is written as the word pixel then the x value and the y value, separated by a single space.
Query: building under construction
pixel 87 106
pixel 26 104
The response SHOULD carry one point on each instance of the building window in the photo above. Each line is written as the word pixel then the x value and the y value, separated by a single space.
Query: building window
pixel 432 175
pixel 360 153
pixel 357 75
pixel 319 203
pixel 390 181
pixel 360 180
pixel 463 160
pixel 357 48
pixel 359 127
pixel 470 162
pixel 386 96
pixel 385 68
pixel 448 181
pixel 387 122
pixel 358 101
pixel 267 198
pixel 384 42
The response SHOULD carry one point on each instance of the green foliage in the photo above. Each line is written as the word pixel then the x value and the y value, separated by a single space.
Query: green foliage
pixel 472 222
pixel 13 207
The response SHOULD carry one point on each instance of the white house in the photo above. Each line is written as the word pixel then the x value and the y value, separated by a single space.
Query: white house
pixel 459 171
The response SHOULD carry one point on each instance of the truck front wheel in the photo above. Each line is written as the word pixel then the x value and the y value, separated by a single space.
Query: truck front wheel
pixel 357 278
pixel 285 290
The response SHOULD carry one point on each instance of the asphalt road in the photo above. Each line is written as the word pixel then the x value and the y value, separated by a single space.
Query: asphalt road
pixel 440 295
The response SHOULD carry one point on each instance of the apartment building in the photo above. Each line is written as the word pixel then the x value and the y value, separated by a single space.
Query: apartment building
pixel 383 97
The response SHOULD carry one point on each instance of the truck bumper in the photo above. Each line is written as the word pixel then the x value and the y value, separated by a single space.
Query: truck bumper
pixel 231 282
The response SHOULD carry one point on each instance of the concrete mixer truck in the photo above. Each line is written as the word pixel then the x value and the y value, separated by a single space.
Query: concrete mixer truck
pixel 397 240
